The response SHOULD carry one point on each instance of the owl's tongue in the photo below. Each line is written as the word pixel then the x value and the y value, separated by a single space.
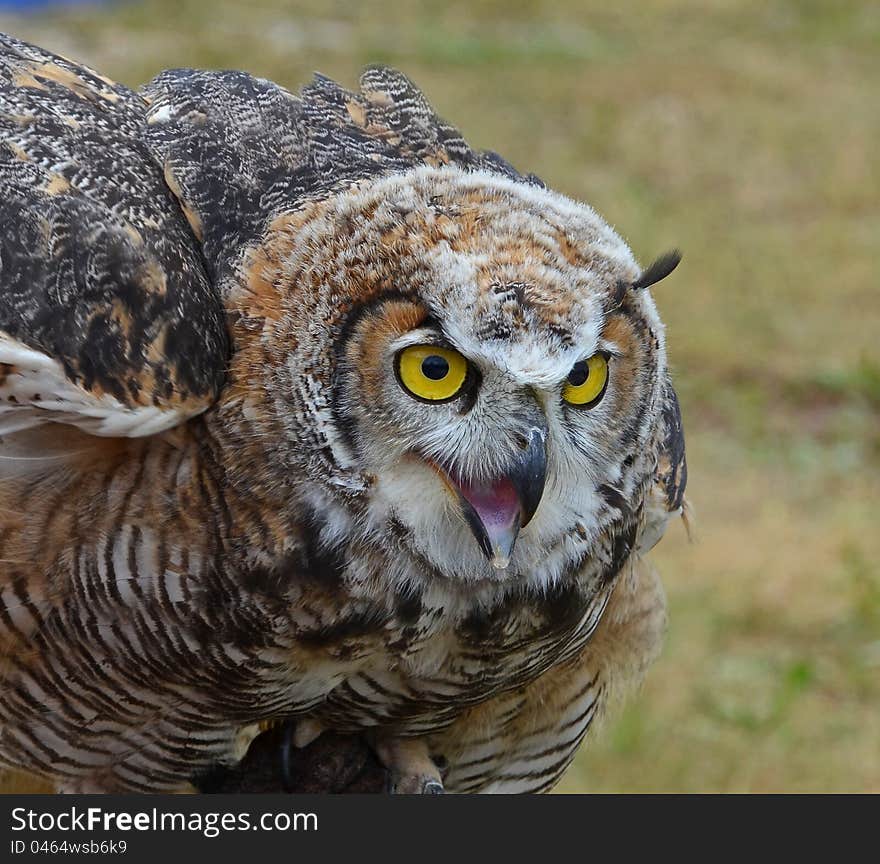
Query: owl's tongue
pixel 497 507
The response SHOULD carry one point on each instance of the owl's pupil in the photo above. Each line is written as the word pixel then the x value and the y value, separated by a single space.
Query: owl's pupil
pixel 579 373
pixel 435 367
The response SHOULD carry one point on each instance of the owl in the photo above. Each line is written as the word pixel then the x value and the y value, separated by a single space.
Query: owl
pixel 311 413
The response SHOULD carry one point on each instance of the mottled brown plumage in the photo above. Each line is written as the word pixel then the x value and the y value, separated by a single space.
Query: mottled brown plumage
pixel 223 504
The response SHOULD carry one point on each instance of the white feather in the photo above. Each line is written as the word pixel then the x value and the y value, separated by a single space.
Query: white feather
pixel 36 391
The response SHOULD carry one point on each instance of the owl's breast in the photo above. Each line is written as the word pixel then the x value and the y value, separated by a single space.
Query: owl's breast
pixel 417 675
pixel 365 635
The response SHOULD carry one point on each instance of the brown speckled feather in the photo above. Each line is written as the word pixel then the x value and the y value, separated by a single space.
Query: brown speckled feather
pixel 98 268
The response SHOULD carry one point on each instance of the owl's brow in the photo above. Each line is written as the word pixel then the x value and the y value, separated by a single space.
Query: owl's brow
pixel 434 336
pixel 432 325
pixel 431 322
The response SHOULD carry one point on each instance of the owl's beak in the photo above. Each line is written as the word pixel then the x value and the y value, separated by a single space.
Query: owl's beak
pixel 497 509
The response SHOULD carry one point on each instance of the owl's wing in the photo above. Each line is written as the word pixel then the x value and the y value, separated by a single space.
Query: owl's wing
pixel 672 469
pixel 666 498
pixel 239 151
pixel 108 320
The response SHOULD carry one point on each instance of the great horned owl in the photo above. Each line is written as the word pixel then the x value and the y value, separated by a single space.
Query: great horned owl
pixel 311 411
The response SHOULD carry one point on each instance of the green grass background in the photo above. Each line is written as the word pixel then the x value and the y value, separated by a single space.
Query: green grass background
pixel 747 134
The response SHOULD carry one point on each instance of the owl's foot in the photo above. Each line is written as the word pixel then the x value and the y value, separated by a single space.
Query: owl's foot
pixel 306 731
pixel 414 784
pixel 411 769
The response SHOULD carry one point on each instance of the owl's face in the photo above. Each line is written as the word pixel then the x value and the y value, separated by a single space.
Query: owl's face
pixel 490 375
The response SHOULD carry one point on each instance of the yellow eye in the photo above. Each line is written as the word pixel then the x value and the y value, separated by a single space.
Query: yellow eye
pixel 431 373
pixel 586 382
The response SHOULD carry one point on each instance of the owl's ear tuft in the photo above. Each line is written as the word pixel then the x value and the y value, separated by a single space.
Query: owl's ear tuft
pixel 658 269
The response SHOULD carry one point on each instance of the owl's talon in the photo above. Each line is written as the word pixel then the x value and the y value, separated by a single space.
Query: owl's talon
pixel 295 735
pixel 288 744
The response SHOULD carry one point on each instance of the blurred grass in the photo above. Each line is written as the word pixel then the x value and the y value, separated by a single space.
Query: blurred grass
pixel 747 134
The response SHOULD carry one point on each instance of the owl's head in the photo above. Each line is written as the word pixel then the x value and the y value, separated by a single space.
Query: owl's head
pixel 472 355
pixel 446 356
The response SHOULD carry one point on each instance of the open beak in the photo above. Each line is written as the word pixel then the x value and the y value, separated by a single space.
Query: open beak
pixel 497 509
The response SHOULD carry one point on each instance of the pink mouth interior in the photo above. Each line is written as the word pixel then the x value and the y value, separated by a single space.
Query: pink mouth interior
pixel 496 504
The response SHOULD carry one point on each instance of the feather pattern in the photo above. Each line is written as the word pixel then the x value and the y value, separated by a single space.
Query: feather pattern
pixel 238 151
pixel 99 269
pixel 212 280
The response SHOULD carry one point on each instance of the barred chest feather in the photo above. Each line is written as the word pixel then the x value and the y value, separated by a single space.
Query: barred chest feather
pixel 361 653
pixel 334 640
pixel 417 671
